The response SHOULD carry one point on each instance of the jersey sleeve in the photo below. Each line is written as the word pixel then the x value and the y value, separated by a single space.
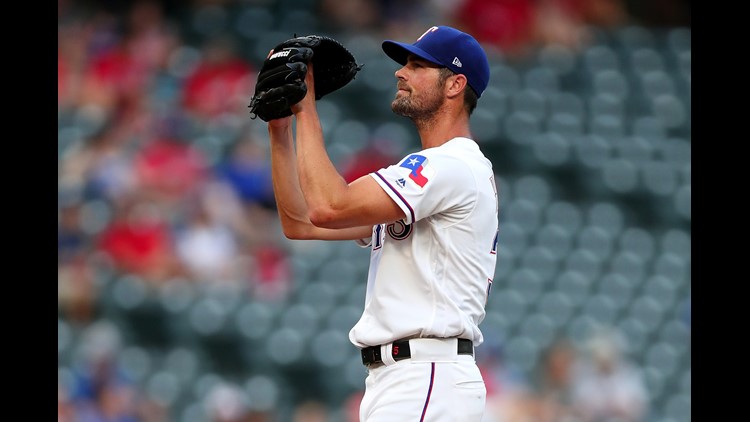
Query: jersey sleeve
pixel 426 183
pixel 363 243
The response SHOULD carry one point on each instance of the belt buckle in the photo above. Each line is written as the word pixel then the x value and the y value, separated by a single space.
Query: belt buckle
pixel 371 355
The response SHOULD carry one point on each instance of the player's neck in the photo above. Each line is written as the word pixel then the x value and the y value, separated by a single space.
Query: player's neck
pixel 442 129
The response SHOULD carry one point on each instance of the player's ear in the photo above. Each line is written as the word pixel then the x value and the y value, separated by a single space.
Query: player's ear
pixel 455 85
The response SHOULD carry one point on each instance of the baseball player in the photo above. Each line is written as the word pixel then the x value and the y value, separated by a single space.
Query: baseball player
pixel 430 220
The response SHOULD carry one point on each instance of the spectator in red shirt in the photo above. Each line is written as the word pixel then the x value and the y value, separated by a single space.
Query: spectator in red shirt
pixel 220 82
pixel 168 167
pixel 372 157
pixel 139 241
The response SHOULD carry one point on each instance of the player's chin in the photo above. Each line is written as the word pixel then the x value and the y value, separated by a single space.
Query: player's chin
pixel 402 106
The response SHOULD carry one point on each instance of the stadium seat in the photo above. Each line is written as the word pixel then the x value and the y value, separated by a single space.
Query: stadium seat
pixel 648 312
pixel 568 102
pixel 679 407
pixel 332 348
pixel 542 80
pixel 485 126
pixel 543 261
pixel 575 286
pixel 676 334
pixel 676 241
pixel 526 281
pixel 252 21
pixel 540 328
pixel 263 391
pixel 555 238
pixel 649 128
pixel 136 362
pixel 506 78
pixel 636 333
pixel 670 110
pixel 255 320
pixel 565 124
pixel 558 58
pixel 596 240
pixel 611 82
pixel 513 238
pixel 599 57
pixel 522 127
pixel 606 215
pixel 164 387
pixel 635 37
pixel 619 289
pixel 534 188
pixel 529 101
pixel 638 241
pixel 343 318
pixel 671 266
pixel 303 318
pixel 629 265
pixel 510 303
pixel 645 59
pixel 601 307
pixel 505 264
pixel 607 125
pixel 592 151
pixel 299 21
pixel 565 214
pixel 678 40
pixel 525 213
pixel 557 304
pixel 286 346
pixel 523 352
pixel 683 201
pixel 552 149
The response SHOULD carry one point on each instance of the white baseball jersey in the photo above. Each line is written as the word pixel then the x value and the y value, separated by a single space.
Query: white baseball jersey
pixel 430 274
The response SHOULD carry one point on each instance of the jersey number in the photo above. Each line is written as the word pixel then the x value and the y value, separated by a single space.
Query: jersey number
pixel 396 230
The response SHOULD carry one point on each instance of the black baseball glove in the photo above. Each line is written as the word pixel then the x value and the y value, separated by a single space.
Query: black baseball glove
pixel 281 80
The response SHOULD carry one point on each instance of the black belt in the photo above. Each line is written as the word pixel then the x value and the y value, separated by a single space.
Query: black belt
pixel 400 350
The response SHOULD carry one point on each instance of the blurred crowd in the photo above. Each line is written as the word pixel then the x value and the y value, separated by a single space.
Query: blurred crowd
pixel 590 382
pixel 163 175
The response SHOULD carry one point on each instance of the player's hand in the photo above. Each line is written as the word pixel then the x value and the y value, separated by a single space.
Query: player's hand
pixel 309 100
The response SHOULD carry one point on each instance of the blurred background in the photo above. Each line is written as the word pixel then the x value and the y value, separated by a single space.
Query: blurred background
pixel 180 300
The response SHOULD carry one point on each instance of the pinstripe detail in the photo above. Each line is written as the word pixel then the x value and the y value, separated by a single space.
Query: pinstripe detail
pixel 411 211
pixel 429 392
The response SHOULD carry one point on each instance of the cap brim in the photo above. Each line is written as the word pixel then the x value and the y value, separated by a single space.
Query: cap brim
pixel 400 51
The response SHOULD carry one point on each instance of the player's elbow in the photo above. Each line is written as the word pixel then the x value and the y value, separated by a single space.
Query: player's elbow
pixel 296 229
pixel 323 217
pixel 294 234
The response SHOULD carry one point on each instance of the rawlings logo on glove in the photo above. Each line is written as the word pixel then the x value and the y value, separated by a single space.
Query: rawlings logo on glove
pixel 281 80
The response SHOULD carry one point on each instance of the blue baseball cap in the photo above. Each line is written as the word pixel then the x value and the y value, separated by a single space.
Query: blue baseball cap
pixel 449 47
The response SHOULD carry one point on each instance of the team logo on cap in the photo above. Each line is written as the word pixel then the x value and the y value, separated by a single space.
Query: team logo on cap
pixel 432 29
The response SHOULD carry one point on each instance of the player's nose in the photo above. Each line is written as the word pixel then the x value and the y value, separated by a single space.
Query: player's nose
pixel 400 73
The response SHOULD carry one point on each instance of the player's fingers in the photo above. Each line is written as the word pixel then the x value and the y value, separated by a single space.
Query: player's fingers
pixel 310 78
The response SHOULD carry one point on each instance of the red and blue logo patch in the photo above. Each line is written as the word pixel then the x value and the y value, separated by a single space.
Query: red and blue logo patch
pixel 420 169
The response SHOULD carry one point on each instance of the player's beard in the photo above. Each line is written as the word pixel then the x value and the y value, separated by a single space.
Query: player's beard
pixel 419 108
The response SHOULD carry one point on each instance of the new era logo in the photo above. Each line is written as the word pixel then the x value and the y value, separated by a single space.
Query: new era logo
pixel 456 62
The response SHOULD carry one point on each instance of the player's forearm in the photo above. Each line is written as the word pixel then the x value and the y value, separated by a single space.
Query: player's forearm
pixel 322 185
pixel 290 203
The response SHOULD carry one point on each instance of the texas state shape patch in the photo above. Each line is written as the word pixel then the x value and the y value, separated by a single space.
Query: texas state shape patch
pixel 420 170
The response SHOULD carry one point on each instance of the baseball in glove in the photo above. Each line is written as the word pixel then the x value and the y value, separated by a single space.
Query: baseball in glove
pixel 281 80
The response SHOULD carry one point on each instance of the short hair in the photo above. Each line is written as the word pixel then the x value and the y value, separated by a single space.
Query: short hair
pixel 470 96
